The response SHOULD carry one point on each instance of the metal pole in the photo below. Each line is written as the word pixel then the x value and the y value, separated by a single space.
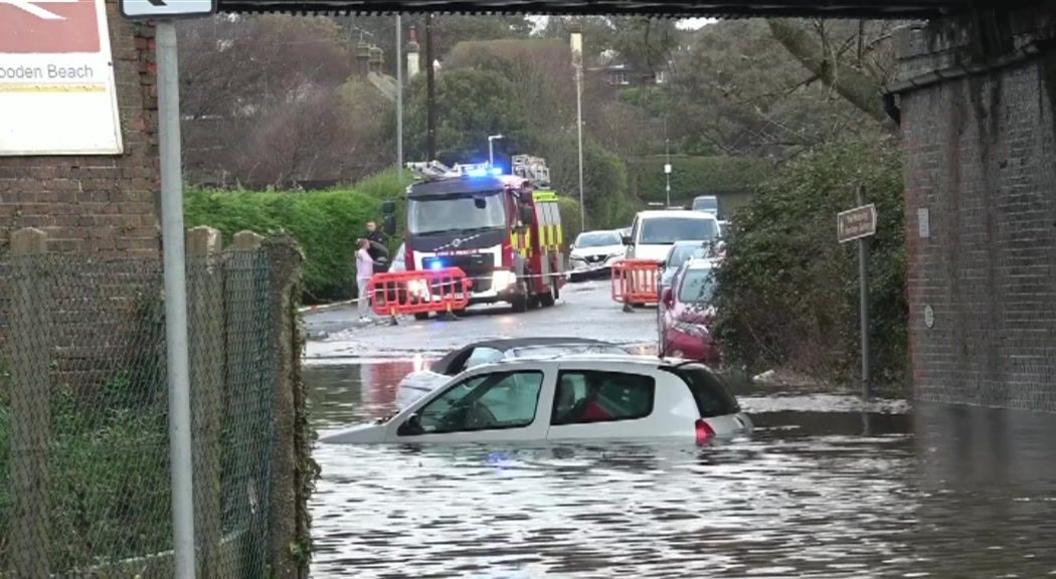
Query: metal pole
pixel 667 174
pixel 491 153
pixel 399 96
pixel 863 306
pixel 175 301
pixel 579 131
pixel 430 92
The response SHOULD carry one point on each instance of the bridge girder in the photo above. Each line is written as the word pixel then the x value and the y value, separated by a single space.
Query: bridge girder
pixel 874 9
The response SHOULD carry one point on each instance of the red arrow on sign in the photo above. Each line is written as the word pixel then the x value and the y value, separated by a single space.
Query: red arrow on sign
pixel 48 26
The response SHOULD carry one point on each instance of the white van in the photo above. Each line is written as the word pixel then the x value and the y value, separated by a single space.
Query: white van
pixel 654 232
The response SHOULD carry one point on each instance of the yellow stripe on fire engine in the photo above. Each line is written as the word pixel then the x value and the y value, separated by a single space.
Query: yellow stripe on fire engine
pixel 544 196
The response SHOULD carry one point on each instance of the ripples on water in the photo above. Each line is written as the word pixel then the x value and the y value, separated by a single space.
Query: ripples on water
pixel 818 491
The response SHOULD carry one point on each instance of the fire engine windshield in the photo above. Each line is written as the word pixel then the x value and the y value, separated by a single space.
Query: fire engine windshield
pixel 433 215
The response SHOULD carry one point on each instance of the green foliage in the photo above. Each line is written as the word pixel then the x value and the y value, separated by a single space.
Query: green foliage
pixel 5 476
pixel 692 176
pixel 471 104
pixel 608 200
pixel 569 217
pixel 109 455
pixel 326 224
pixel 787 292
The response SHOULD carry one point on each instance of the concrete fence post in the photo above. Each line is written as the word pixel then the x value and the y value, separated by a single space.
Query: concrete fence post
pixel 242 370
pixel 290 458
pixel 205 311
pixel 30 346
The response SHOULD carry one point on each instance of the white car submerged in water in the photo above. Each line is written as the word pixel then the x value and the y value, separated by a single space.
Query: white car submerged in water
pixel 567 398
pixel 418 384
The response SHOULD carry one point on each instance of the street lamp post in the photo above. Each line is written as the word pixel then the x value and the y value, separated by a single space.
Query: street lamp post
pixel 399 95
pixel 577 62
pixel 491 149
pixel 667 170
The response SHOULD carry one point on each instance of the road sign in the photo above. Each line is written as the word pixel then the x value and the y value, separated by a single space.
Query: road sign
pixel 856 223
pixel 57 93
pixel 166 8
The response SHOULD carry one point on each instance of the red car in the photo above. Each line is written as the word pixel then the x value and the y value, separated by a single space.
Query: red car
pixel 685 314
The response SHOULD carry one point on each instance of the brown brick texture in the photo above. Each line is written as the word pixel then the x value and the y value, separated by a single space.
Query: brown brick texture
pixel 103 205
pixel 980 155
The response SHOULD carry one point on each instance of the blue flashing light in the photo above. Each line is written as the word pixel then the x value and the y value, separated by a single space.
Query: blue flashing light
pixel 436 265
pixel 477 173
pixel 496 171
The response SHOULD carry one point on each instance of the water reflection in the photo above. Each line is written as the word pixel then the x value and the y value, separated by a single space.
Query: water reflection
pixel 820 490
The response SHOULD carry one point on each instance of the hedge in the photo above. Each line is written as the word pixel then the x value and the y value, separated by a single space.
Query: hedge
pixel 787 291
pixel 325 223
pixel 692 176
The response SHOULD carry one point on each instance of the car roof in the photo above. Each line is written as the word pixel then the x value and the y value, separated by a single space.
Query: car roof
pixel 606 361
pixel 700 263
pixel 442 365
pixel 675 213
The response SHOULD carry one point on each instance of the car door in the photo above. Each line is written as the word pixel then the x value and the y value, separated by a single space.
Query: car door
pixel 499 403
pixel 603 403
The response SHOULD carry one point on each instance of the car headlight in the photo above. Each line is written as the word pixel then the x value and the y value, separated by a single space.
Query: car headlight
pixel 502 279
pixel 695 330
pixel 418 288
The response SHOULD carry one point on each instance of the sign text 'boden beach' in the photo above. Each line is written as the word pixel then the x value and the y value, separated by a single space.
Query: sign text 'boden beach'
pixel 57 93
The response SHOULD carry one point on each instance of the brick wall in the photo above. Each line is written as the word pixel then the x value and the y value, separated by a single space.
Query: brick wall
pixel 980 156
pixel 97 204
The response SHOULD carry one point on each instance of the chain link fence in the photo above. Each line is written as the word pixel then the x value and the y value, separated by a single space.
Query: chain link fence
pixel 84 446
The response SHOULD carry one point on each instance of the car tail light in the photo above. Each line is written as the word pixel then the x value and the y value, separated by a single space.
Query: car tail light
pixel 704 431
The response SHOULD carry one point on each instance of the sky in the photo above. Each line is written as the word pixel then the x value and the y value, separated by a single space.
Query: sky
pixel 683 23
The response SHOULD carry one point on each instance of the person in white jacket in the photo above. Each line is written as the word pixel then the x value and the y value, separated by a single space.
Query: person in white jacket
pixel 364 271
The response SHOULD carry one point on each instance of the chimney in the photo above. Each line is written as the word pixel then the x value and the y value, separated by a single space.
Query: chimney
pixel 413 50
pixel 362 58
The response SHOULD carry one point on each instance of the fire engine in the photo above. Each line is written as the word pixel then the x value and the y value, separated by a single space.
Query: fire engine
pixel 503 230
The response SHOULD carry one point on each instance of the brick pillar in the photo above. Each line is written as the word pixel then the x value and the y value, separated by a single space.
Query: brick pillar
pixel 30 358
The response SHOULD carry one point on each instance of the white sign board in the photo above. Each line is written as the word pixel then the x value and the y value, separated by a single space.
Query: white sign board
pixel 57 94
pixel 856 223
pixel 166 8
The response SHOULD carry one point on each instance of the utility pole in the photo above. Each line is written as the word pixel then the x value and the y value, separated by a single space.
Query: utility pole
pixel 399 96
pixel 430 92
pixel 577 61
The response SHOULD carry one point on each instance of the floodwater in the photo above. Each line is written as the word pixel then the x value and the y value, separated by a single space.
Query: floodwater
pixel 819 490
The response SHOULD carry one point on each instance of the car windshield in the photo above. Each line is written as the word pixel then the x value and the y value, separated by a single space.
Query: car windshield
pixel 698 285
pixel 597 239
pixel 667 230
pixel 681 253
pixel 455 213
pixel 705 204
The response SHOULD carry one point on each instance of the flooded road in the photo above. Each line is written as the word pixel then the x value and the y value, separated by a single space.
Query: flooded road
pixel 819 490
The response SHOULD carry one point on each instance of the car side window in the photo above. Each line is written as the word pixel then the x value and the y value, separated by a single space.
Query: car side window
pixel 487 402
pixel 585 396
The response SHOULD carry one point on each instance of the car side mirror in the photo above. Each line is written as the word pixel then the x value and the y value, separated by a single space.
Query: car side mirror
pixel 411 427
pixel 626 239
pixel 667 297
